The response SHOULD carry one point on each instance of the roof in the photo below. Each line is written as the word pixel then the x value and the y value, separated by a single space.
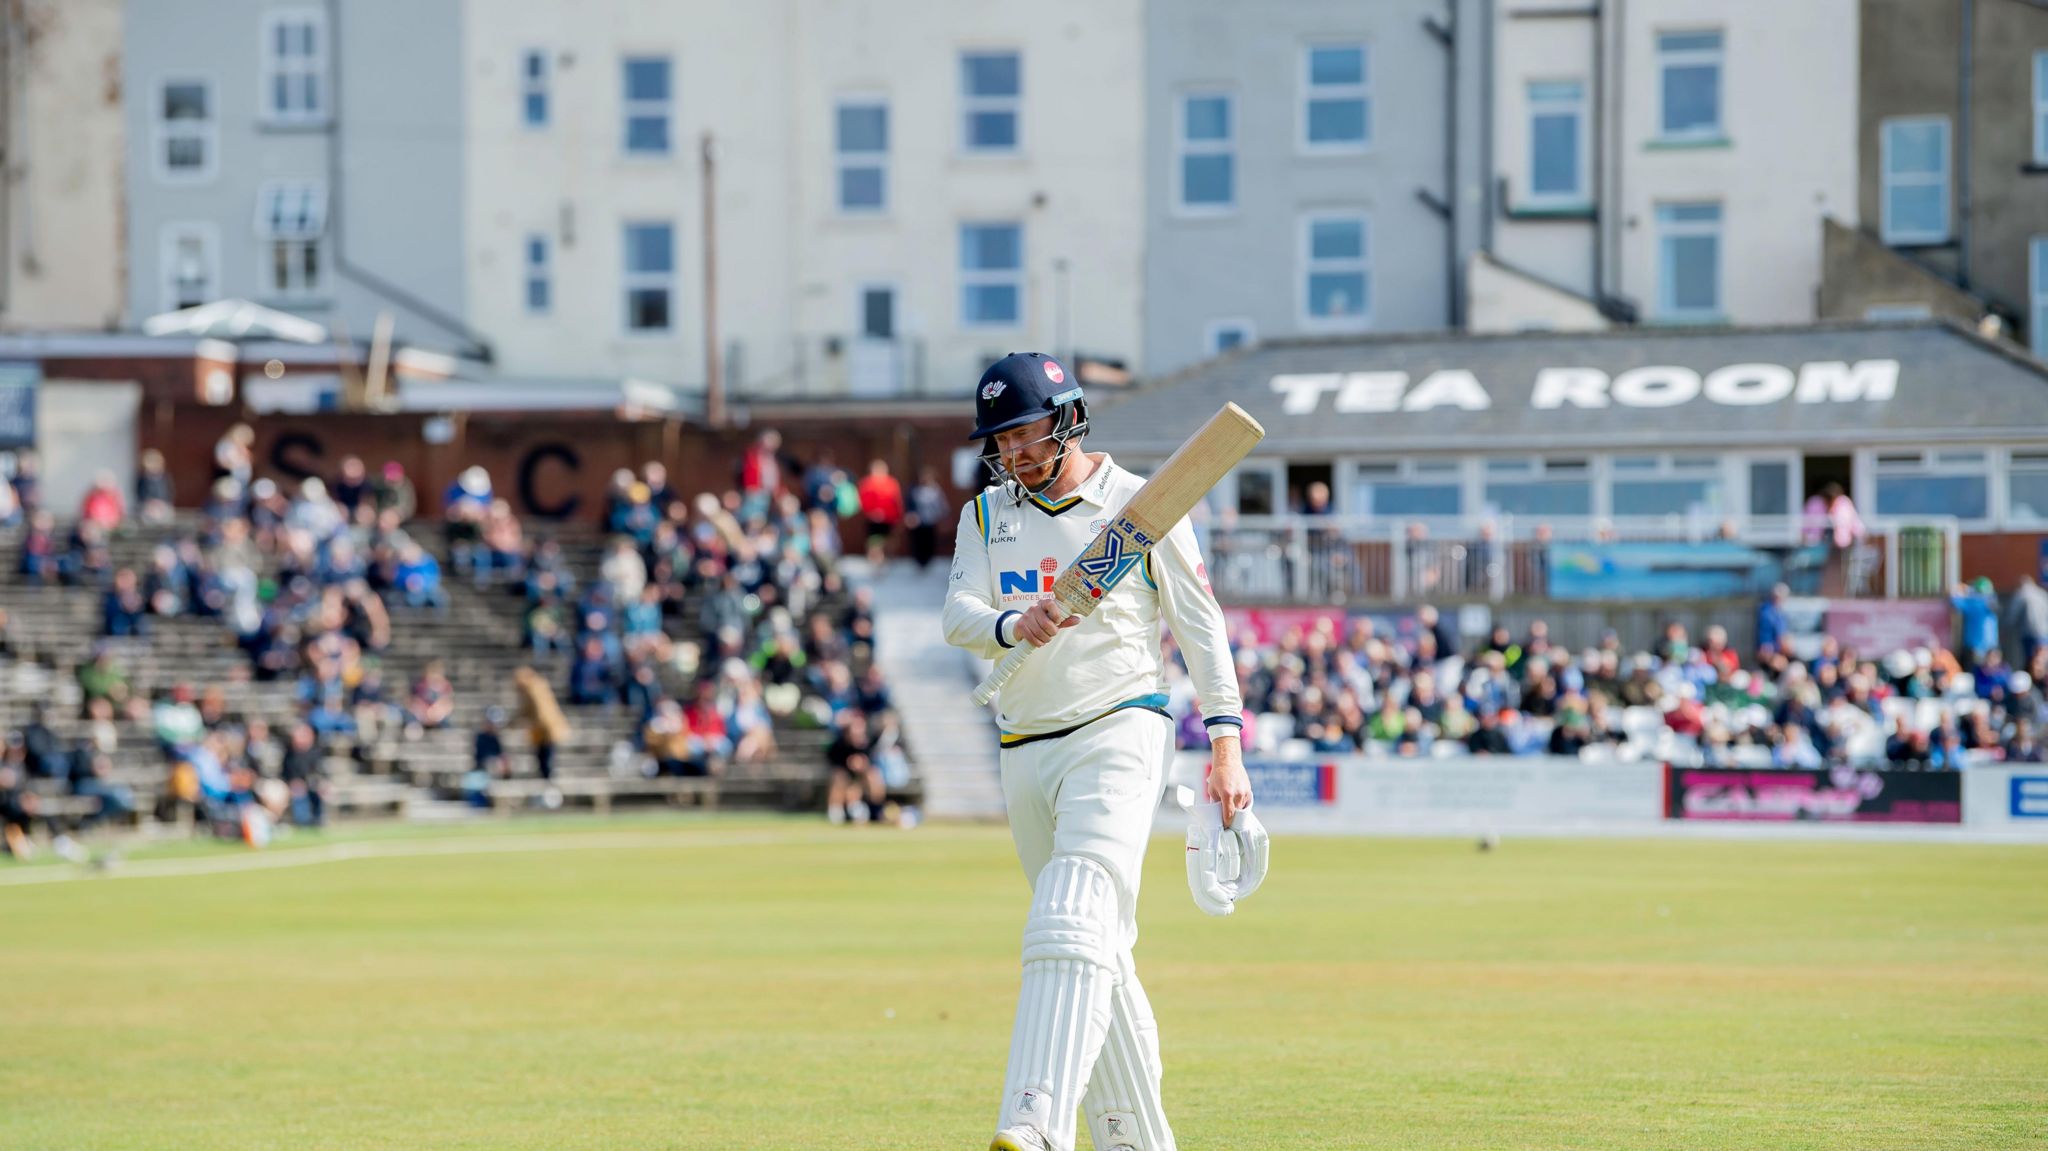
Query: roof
pixel 1839 384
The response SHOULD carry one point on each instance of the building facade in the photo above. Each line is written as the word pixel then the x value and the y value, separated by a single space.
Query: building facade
pixel 304 156
pixel 1310 168
pixel 1666 161
pixel 61 259
pixel 1953 185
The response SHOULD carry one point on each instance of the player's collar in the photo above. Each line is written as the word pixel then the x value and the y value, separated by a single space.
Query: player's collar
pixel 1093 490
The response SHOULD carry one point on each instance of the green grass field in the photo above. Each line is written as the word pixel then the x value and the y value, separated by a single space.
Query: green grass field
pixel 737 983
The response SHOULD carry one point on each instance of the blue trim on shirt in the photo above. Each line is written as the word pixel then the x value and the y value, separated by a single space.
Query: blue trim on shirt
pixel 1232 720
pixel 1000 621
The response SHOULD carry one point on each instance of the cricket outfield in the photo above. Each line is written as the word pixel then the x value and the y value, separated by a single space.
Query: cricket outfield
pixel 761 983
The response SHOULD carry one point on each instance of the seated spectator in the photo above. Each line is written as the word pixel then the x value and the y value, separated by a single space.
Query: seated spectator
pixel 153 492
pixel 43 753
pixel 19 809
pixel 432 702
pixel 675 748
pixel 488 747
pixel 591 679
pixel 419 578
pixel 747 721
pixel 102 505
pixel 177 723
pixel 624 570
pixel 394 493
pixel 706 722
pixel 92 777
pixel 41 556
pixel 103 681
pixel 351 489
pixel 304 771
pixel 856 787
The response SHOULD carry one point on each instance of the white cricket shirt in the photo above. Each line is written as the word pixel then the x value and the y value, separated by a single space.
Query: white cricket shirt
pixel 1005 558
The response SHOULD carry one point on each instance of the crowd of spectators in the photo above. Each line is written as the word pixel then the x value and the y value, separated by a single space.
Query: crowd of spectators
pixel 1424 690
pixel 707 620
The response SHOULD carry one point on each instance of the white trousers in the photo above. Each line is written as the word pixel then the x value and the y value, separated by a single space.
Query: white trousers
pixel 1089 796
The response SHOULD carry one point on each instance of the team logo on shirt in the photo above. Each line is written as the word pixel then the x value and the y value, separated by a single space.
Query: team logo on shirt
pixel 1028 585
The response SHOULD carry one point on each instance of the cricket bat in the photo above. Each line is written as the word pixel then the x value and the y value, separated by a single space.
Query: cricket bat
pixel 1167 498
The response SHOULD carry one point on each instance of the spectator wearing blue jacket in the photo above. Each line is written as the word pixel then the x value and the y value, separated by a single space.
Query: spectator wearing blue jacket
pixel 1978 607
pixel 1772 626
pixel 419 576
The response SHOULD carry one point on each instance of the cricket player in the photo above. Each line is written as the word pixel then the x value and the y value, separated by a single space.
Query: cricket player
pixel 1085 742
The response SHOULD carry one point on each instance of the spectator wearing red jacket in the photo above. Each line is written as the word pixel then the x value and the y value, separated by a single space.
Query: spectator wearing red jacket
pixel 103 504
pixel 881 502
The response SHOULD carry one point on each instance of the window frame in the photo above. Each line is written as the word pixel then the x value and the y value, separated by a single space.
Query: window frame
pixel 1213 330
pixel 1532 471
pixel 1308 266
pixel 1692 57
pixel 206 131
pixel 972 103
pixel 1888 463
pixel 971 277
pixel 1667 288
pixel 2041 107
pixel 1580 194
pixel 531 86
pixel 1888 230
pixel 1308 91
pixel 1426 471
pixel 1185 148
pixel 540 272
pixel 271 66
pixel 631 281
pixel 844 160
pixel 631 107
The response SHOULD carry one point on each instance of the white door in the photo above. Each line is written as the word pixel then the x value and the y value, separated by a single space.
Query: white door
pixel 875 367
pixel 82 429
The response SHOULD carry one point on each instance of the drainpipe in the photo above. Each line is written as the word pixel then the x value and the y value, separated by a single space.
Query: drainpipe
pixel 1596 138
pixel 1611 211
pixel 475 345
pixel 9 14
pixel 1486 164
pixel 1445 33
pixel 1965 73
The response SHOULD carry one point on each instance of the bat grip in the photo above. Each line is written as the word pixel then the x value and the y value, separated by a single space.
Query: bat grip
pixel 1006 668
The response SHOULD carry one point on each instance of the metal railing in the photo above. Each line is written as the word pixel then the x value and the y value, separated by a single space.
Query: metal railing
pixel 1355 559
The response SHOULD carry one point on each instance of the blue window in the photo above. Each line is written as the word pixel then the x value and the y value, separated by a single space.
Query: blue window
pixel 650 276
pixel 991 100
pixel 1914 150
pixel 1208 152
pixel 1689 83
pixel 1557 141
pixel 991 275
pixel 861 145
pixel 539 274
pixel 1336 97
pixel 1689 261
pixel 649 104
pixel 533 89
pixel 1337 286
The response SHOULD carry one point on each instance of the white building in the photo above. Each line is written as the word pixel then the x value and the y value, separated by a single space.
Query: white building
pixel 903 190
pixel 1637 150
pixel 60 189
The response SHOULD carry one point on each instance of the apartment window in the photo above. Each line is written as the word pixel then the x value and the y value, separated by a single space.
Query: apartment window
pixel 1667 486
pixel 1336 112
pixel 187 133
pixel 650 277
pixel 1533 487
pixel 1914 152
pixel 1557 142
pixel 1689 261
pixel 1207 164
pixel 1409 488
pixel 533 88
pixel 991 100
pixel 1337 271
pixel 294 74
pixel 2037 325
pixel 1936 483
pixel 861 143
pixel 1770 488
pixel 2027 488
pixel 189 258
pixel 1220 336
pixel 649 104
pixel 2041 107
pixel 1689 84
pixel 991 275
pixel 291 215
pixel 540 280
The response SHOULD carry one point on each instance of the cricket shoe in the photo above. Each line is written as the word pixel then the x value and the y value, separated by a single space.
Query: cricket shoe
pixel 1019 1139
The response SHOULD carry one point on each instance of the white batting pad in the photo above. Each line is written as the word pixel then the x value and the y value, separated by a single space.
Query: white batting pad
pixel 1063 1007
pixel 1123 1101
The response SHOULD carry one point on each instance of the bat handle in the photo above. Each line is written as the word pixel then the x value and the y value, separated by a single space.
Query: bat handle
pixel 1006 668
